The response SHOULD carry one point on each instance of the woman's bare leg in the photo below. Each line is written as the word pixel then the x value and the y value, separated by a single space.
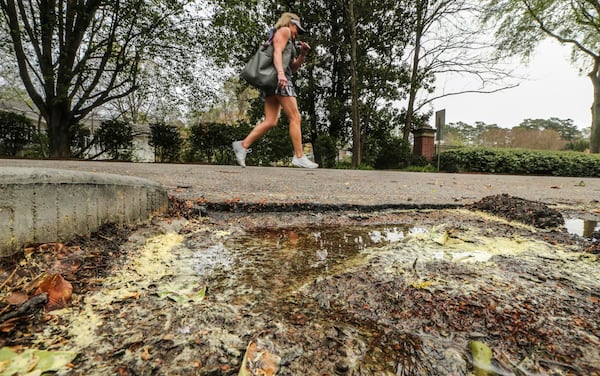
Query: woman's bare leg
pixel 290 107
pixel 272 109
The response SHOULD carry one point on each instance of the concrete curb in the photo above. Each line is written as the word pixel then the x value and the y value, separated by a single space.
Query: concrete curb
pixel 39 205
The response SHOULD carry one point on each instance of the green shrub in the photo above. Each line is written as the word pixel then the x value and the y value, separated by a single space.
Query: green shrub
pixel 80 136
pixel 419 161
pixel 275 147
pixel 347 165
pixel 520 162
pixel 16 131
pixel 166 141
pixel 421 168
pixel 578 145
pixel 395 153
pixel 38 147
pixel 211 142
pixel 115 138
pixel 326 151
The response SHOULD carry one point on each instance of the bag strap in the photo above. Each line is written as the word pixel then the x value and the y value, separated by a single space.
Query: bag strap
pixel 271 36
pixel 270 40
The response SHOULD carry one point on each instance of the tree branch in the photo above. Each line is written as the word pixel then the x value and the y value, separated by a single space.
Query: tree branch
pixel 554 35
pixel 429 100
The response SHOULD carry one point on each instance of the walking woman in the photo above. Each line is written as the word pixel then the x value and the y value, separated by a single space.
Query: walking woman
pixel 283 96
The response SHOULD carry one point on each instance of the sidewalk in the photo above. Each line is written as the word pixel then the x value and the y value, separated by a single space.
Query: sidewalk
pixel 271 185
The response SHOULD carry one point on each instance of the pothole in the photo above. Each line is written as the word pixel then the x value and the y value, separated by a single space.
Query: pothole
pixel 389 293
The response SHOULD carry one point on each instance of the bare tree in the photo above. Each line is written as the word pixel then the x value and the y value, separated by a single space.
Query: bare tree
pixel 448 39
pixel 522 24
pixel 75 56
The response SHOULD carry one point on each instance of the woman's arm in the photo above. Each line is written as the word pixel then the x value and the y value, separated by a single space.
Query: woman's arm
pixel 304 48
pixel 280 40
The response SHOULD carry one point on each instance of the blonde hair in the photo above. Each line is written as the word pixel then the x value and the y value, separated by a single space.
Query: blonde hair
pixel 285 19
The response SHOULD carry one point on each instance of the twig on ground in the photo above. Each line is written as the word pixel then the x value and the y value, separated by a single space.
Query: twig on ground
pixel 9 278
pixel 28 307
pixel 561 364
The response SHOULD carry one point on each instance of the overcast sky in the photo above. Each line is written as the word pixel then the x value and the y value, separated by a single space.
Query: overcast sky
pixel 554 88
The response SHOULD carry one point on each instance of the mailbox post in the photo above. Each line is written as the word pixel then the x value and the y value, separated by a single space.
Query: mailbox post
pixel 440 123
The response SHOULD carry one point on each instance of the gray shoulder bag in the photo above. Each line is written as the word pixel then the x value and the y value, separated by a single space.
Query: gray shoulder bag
pixel 260 71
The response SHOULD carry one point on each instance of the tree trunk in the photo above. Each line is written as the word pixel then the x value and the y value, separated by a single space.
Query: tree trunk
pixel 59 135
pixel 414 78
pixel 595 130
pixel 356 139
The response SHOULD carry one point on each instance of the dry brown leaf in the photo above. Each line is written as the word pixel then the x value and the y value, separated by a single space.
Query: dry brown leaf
pixel 66 266
pixel 9 325
pixel 294 237
pixel 259 361
pixel 56 247
pixel 146 354
pixel 28 251
pixel 233 200
pixel 34 284
pixel 16 298
pixel 58 289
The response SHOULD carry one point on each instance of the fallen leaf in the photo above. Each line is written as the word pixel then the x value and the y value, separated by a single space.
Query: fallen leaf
pixel 33 362
pixel 419 285
pixel 177 295
pixel 56 247
pixel 58 289
pixel 232 200
pixel 17 298
pixel 146 354
pixel 294 237
pixel 482 358
pixel 8 326
pixel 66 266
pixel 259 360
pixel 28 251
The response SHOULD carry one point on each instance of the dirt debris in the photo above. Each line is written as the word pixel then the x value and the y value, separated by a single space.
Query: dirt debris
pixel 529 212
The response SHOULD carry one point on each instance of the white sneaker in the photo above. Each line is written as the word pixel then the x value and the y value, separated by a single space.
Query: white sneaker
pixel 303 162
pixel 240 152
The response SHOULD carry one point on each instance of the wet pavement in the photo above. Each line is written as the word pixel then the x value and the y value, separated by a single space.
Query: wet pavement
pixel 276 185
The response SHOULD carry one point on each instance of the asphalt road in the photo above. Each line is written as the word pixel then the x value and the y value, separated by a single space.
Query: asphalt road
pixel 277 185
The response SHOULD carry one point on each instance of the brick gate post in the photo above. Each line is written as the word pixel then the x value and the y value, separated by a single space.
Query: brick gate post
pixel 424 144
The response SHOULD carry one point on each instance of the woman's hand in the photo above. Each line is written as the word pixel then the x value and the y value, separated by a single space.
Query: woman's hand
pixel 282 80
pixel 304 48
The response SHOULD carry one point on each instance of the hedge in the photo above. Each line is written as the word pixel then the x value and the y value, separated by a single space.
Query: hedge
pixel 520 162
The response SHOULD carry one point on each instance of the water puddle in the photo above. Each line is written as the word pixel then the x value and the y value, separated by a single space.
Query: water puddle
pixel 581 227
pixel 273 262
pixel 402 299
